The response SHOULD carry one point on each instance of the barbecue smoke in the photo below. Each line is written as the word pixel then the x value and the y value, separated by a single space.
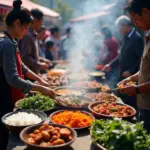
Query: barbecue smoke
pixel 86 44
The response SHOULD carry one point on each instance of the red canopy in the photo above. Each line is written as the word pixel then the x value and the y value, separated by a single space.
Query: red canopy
pixel 90 16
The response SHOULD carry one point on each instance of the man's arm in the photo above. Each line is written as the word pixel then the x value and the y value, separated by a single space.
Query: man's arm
pixel 134 77
pixel 114 62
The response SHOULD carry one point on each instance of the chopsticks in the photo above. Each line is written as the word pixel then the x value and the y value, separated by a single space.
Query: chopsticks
pixel 56 61
pixel 59 61
pixel 116 89
pixel 112 90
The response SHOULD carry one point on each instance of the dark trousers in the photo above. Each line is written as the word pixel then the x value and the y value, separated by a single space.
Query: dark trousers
pixel 144 115
pixel 4 135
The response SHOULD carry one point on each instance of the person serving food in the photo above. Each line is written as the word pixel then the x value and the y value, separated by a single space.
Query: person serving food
pixel 139 11
pixel 12 70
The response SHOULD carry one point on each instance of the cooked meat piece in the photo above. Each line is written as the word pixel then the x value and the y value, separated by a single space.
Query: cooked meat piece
pixel 58 142
pixel 70 138
pixel 38 138
pixel 64 132
pixel 55 132
pixel 44 127
pixel 31 140
pixel 46 135
pixel 54 138
pixel 36 131
pixel 32 135
pixel 50 144
pixel 57 128
pixel 44 144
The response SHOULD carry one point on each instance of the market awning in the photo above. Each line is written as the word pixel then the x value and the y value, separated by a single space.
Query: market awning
pixel 90 16
pixel 29 5
pixel 47 12
pixel 109 6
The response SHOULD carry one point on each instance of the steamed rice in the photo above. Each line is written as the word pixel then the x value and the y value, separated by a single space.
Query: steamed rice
pixel 22 119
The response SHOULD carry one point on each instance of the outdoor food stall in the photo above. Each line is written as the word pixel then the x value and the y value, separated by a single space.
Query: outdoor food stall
pixel 50 17
pixel 81 116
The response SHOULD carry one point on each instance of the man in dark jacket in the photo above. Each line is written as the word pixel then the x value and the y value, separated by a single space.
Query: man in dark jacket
pixel 130 53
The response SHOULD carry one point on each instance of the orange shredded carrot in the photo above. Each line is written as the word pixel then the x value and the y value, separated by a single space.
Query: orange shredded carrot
pixel 73 119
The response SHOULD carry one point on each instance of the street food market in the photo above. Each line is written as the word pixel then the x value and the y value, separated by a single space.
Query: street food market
pixel 75 75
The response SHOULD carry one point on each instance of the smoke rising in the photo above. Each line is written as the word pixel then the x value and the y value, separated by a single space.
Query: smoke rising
pixel 86 44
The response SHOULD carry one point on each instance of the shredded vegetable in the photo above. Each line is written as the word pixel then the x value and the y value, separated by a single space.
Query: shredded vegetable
pixel 73 119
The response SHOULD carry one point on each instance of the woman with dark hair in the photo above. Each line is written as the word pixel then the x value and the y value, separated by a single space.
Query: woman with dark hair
pixel 12 70
pixel 111 44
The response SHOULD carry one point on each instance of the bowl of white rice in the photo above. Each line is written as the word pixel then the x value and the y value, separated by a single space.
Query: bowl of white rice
pixel 18 120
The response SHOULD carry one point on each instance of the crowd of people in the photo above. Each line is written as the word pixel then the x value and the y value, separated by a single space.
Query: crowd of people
pixel 27 49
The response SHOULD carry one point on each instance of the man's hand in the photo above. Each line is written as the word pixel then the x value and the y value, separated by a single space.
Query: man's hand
pixel 43 82
pixel 47 62
pixel 47 92
pixel 129 90
pixel 44 66
pixel 44 60
pixel 106 68
pixel 126 74
pixel 124 82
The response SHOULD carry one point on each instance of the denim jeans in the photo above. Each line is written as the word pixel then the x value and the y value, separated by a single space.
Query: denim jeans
pixel 144 115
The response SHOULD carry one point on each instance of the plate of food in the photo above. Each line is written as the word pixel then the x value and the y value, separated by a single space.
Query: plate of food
pixel 75 119
pixel 97 74
pixel 48 136
pixel 73 101
pixel 18 120
pixel 103 97
pixel 56 81
pixel 56 72
pixel 89 86
pixel 127 136
pixel 37 102
pixel 112 110
pixel 62 91
pixel 120 86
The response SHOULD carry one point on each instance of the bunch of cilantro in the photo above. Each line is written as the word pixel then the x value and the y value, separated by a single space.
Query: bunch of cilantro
pixel 120 135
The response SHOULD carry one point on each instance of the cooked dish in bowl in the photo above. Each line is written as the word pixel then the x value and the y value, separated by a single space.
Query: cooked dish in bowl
pixel 120 86
pixel 48 136
pixel 72 119
pixel 73 101
pixel 62 91
pixel 112 109
pixel 37 102
pixel 97 74
pixel 105 97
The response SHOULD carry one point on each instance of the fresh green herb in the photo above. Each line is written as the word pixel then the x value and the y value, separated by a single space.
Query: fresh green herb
pixel 114 109
pixel 120 135
pixel 37 102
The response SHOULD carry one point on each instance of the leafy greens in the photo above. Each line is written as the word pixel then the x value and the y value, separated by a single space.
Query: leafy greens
pixel 120 135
